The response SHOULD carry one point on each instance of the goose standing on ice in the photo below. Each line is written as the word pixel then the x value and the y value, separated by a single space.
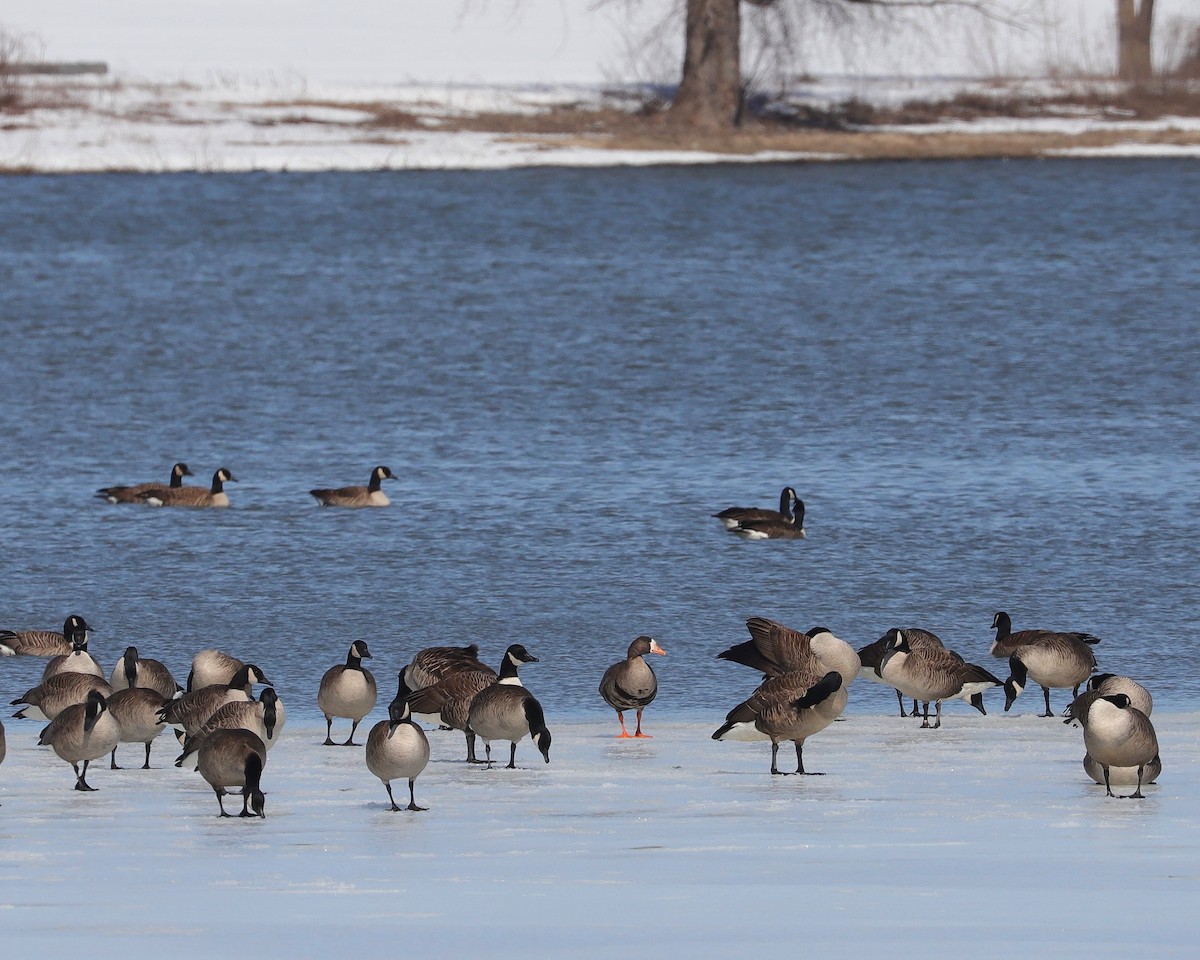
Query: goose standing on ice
pixel 52 696
pixel 133 494
pixel 138 710
pixel 730 517
pixel 235 758
pixel 630 684
pixel 83 732
pixel 431 664
pixel 214 496
pixel 347 690
pixel 930 674
pixel 1120 735
pixel 397 747
pixel 190 711
pixel 1049 658
pixel 369 496
pixel 211 667
pixel 507 711
pixel 135 671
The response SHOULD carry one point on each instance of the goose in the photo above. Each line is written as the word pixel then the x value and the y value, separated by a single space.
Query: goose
pixel 135 671
pixel 347 690
pixel 1118 734
pixel 369 496
pixel 3 744
pixel 449 700
pixel 211 666
pixel 730 517
pixel 263 717
pixel 83 732
pixel 507 711
pixel 133 494
pixel 138 712
pixel 77 661
pixel 781 529
pixel 630 684
pixel 1122 776
pixel 1106 684
pixel 1051 659
pixel 235 758
pixel 871 656
pixel 774 649
pixel 189 712
pixel 792 706
pixel 215 496
pixel 432 664
pixel 930 674
pixel 397 747
pixel 52 696
pixel 43 643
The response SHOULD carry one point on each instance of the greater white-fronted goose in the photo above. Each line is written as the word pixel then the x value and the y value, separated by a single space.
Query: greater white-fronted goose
pixel 211 666
pixel 214 496
pixel 138 711
pixel 791 706
pixel 397 747
pixel 432 664
pixel 792 529
pixel 81 733
pixel 133 670
pixel 730 517
pixel 931 674
pixel 52 696
pixel 189 712
pixel 263 717
pixel 347 690
pixel 630 684
pixel 1049 658
pixel 369 496
pixel 507 711
pixel 43 643
pixel 235 758
pixel 133 494
pixel 1120 735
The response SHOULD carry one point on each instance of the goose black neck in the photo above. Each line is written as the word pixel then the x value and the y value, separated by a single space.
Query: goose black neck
pixel 131 659
pixel 508 668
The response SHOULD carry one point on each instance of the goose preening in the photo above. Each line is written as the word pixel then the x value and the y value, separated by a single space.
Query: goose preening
pixel 77 661
pixel 189 712
pixel 133 494
pixel 792 706
pixel 235 758
pixel 53 695
pixel 81 733
pixel 1049 658
pixel 347 690
pixel 214 496
pixel 772 529
pixel 931 673
pixel 507 711
pixel 210 667
pixel 730 517
pixel 774 649
pixel 263 717
pixel 871 656
pixel 43 643
pixel 369 496
pixel 138 711
pixel 133 670
pixel 432 664
pixel 630 684
pixel 1107 684
pixel 397 747
pixel 1118 734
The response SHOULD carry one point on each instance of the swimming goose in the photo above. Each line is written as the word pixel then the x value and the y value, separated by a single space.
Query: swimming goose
pixel 43 643
pixel 77 661
pixel 133 494
pixel 369 496
pixel 792 706
pixel 630 684
pixel 731 516
pixel 1120 735
pixel 1106 684
pixel 931 674
pixel 263 717
pixel 774 649
pixel 52 696
pixel 397 747
pixel 235 758
pixel 211 666
pixel 138 712
pixel 215 496
pixel 135 671
pixel 190 711
pixel 432 664
pixel 781 529
pixel 347 690
pixel 1051 659
pixel 83 732
pixel 507 711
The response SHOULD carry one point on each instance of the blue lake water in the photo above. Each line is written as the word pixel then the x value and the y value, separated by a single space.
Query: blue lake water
pixel 981 377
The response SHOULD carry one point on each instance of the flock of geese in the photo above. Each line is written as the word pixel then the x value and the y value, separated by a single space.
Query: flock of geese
pixel 225 733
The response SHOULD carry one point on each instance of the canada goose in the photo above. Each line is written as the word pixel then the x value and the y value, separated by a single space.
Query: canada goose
pixel 347 690
pixel 211 666
pixel 138 712
pixel 781 529
pixel 43 643
pixel 871 656
pixel 507 711
pixel 52 696
pixel 77 661
pixel 215 496
pixel 1122 776
pixel 1106 684
pixel 133 494
pixel 1051 659
pixel 791 706
pixel 369 496
pixel 930 673
pixel 235 758
pixel 263 717
pixel 134 671
pixel 774 649
pixel 1120 735
pixel 397 747
pixel 190 711
pixel 83 732
pixel 731 516
pixel 449 700
pixel 432 664
pixel 630 684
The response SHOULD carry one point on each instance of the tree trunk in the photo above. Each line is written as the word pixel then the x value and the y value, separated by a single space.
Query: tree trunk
pixel 1135 23
pixel 710 91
